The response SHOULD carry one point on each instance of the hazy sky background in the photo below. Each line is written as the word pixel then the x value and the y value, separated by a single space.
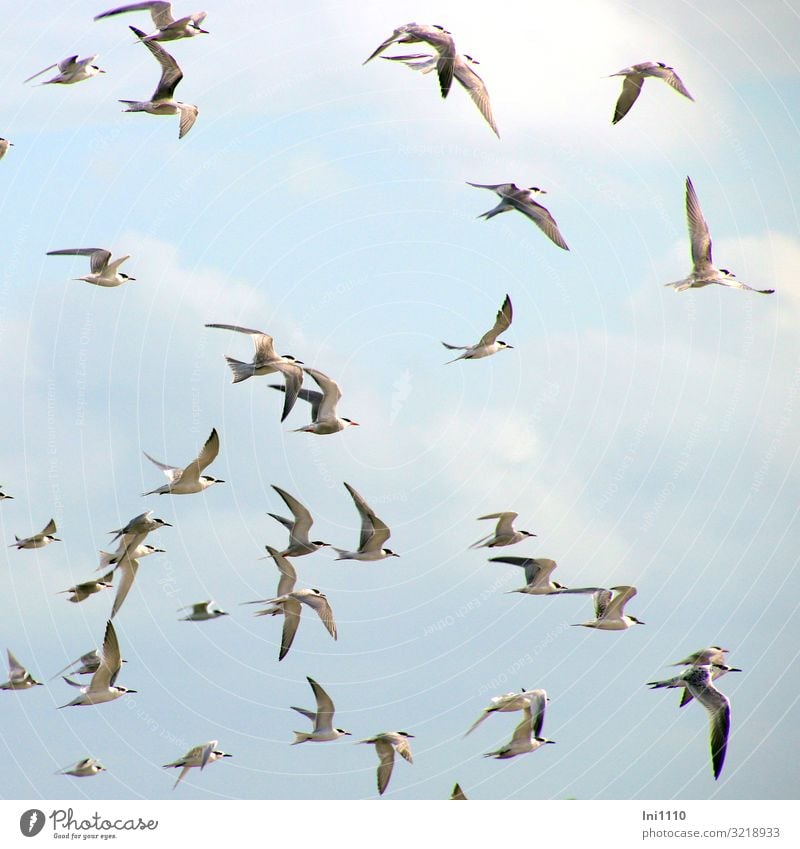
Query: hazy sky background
pixel 648 438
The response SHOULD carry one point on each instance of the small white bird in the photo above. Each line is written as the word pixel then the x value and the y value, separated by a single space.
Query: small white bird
pixel 202 611
pixel 113 558
pixel 488 343
pixel 102 687
pixel 458 794
pixel 167 27
pixel 713 656
pixel 507 703
pixel 292 604
pixel 462 71
pixel 298 527
pixel 87 664
pixel 634 80
pixel 102 272
pixel 39 540
pixel 18 676
pixel 286 582
pixel 163 101
pixel 386 744
pixel 80 592
pixel 322 719
pixel 698 680
pixel 504 532
pixel 189 480
pixel 266 361
pixel 5 144
pixel 323 405
pixel 704 273
pixel 199 756
pixel 70 70
pixel 138 528
pixel 527 735
pixel 83 769
pixel 609 614
pixel 374 533
pixel 437 37
pixel 537 576
pixel 512 197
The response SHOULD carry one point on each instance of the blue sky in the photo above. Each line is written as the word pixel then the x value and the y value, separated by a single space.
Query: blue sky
pixel 648 438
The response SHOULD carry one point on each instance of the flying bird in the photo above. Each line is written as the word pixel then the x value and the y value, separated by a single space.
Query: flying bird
pixel 437 37
pixel 537 576
pixel 202 611
pixel 139 526
pixel 322 719
pixel 102 688
pixel 713 656
pixel 634 80
pixel 609 608
pixel 504 532
pixel 512 197
pixel 189 480
pixel 507 703
pixel 704 273
pixel 39 540
pixel 163 101
pixel 83 769
pixel 199 756
pixel 266 361
pixel 102 272
pixel 323 405
pixel 374 533
pixel 298 526
pixel 80 592
pixel 167 27
pixel 462 71
pixel 18 676
pixel 527 735
pixel 70 70
pixel 292 604
pixel 488 343
pixel 386 744
pixel 87 664
pixel 286 582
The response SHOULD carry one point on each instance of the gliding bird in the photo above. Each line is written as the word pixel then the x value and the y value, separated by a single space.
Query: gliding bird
pixel 488 343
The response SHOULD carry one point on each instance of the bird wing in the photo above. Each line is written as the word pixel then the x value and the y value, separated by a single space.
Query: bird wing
pixel 458 794
pixel 505 521
pixel 478 721
pixel 308 714
pixel 325 707
pixel 302 517
pixel 672 79
pixel 173 473
pixel 331 394
pixel 263 341
pixel 288 576
pixel 631 89
pixel 171 74
pixel 403 748
pixel 538 703
pixel 16 671
pixel 206 752
pixel 522 733
pixel 323 609
pixel 396 36
pixel 501 323
pixel 698 228
pixel 374 532
pixel 311 395
pixel 540 216
pixel 128 569
pixel 160 12
pixel 601 602
pixel 385 752
pixel 205 458
pixel 502 189
pixel 291 620
pixel 39 73
pixel 49 529
pixel 719 709
pixel 110 662
pixel 188 112
pixel 476 89
pixel 293 378
pixel 617 604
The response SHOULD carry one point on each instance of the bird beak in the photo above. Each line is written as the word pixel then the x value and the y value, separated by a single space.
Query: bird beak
pixel 355 423
pixel 511 347
pixel 131 691
pixel 167 525
pixel 100 71
pixel 395 555
pixel 131 278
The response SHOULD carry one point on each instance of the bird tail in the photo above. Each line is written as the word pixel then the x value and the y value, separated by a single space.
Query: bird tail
pixel 106 558
pixel 300 737
pixel 241 371
pixel 341 552
pixel 133 106
pixel 679 285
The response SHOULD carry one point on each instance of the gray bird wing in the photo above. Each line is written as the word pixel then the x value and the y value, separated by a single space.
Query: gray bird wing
pixel 501 324
pixel 631 89
pixel 476 89
pixel 171 74
pixel 698 229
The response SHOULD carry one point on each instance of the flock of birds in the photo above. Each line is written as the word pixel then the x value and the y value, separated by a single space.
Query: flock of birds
pixel 703 668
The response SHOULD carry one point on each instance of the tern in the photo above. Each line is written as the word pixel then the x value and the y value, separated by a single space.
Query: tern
pixel 18 676
pixel 608 610
pixel 323 405
pixel 634 80
pixel 504 532
pixel 113 558
pixel 298 526
pixel 322 719
pixel 462 71
pixel 87 664
pixel 704 273
pixel 488 343
pixel 102 687
pixel 507 703
pixel 199 756
pixel 80 592
pixel 163 102
pixel 202 611
pixel 286 582
pixel 139 526
pixel 537 576
pixel 512 197
pixel 386 744
pixel 458 793
pixel 698 680
pixel 167 28
pixel 437 37
pixel 292 604
pixel 527 735
pixel 189 480
pixel 713 656
pixel 102 272
pixel 374 533
pixel 70 70
pixel 266 361
pixel 39 540
pixel 5 144
pixel 83 769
